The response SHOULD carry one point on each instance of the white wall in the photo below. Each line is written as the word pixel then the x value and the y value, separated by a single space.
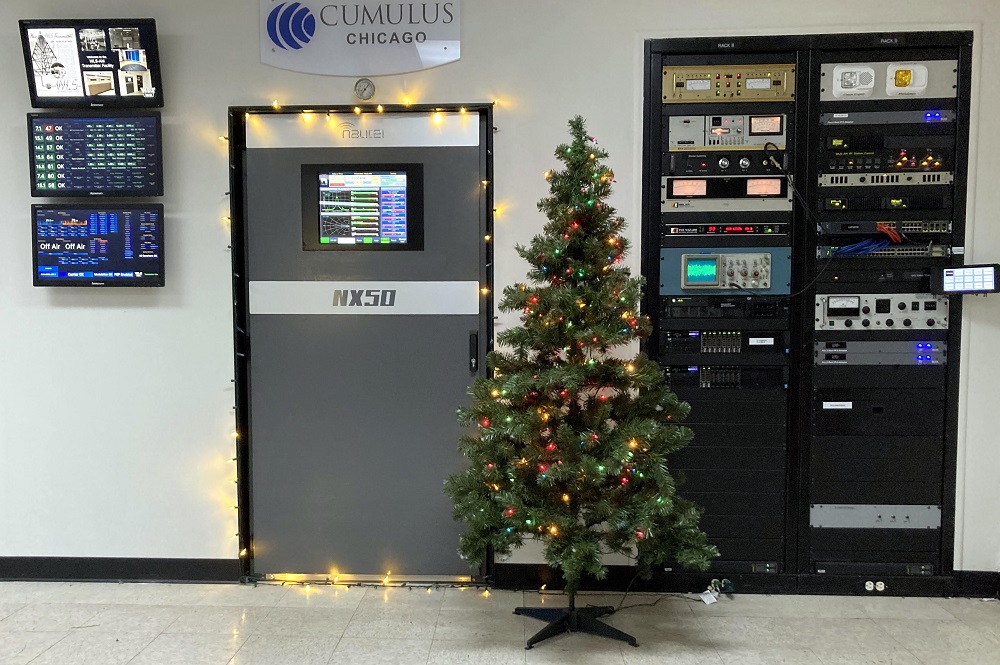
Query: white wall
pixel 116 407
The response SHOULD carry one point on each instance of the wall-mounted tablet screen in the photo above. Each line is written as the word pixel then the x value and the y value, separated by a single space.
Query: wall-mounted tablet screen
pixel 99 63
pixel 981 278
pixel 98 246
pixel 112 154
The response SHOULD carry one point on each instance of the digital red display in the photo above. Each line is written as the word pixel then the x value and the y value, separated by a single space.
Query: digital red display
pixel 714 229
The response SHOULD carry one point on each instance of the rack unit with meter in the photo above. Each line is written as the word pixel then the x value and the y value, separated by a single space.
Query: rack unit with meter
pixel 728 83
pixel 874 312
pixel 725 194
pixel 725 132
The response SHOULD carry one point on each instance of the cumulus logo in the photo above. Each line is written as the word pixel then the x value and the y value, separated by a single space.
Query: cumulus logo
pixel 291 26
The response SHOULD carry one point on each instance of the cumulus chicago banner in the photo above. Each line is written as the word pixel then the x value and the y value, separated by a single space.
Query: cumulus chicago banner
pixel 361 38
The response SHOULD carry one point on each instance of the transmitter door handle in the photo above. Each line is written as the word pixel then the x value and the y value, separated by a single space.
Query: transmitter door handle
pixel 473 352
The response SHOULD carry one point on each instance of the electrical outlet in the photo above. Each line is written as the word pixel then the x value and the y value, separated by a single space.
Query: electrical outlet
pixel 880 586
pixel 869 586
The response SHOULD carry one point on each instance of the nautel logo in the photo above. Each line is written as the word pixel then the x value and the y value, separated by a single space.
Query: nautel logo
pixel 364 298
pixel 349 131
pixel 291 26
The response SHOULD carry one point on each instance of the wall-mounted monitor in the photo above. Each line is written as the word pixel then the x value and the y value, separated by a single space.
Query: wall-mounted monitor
pixel 352 207
pixel 92 63
pixel 98 246
pixel 84 154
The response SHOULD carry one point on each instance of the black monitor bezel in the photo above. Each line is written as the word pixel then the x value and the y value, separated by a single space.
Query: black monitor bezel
pixel 414 206
pixel 84 205
pixel 147 27
pixel 75 115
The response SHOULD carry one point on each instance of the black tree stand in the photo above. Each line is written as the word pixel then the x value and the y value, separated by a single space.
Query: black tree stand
pixel 573 620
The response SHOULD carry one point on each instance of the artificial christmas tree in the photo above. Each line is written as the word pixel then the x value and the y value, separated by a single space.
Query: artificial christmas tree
pixel 572 442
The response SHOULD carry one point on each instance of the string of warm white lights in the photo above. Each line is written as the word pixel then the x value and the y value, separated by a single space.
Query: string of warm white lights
pixel 486 590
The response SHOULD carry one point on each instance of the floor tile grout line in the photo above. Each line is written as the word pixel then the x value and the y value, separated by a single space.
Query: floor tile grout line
pixel 68 633
pixel 433 638
pixel 142 649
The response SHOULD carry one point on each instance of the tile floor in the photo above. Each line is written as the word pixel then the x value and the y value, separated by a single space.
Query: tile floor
pixel 215 624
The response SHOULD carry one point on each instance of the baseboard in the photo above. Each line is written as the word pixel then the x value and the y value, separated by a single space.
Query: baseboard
pixel 978 583
pixel 930 586
pixel 974 584
pixel 119 569
pixel 527 576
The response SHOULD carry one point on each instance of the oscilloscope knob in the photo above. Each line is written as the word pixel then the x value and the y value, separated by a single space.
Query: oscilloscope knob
pixel 907 322
pixel 723 163
pixel 930 322
pixel 889 322
pixel 866 310
pixel 866 323
pixel 848 323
